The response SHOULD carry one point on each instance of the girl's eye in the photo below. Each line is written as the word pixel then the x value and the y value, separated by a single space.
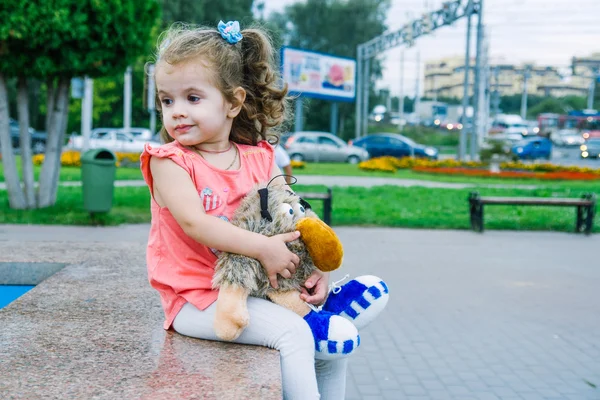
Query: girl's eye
pixel 299 210
pixel 194 99
pixel 286 210
pixel 167 102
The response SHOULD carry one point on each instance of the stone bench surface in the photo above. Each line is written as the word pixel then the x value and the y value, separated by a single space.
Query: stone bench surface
pixel 94 330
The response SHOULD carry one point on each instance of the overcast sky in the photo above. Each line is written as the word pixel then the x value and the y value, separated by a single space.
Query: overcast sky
pixel 546 32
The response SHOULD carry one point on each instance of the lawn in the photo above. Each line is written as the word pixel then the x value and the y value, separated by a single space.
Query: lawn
pixel 390 206
pixel 393 206
pixel 342 169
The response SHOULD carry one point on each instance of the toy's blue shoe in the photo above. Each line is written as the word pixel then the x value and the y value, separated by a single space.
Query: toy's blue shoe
pixel 334 336
pixel 359 301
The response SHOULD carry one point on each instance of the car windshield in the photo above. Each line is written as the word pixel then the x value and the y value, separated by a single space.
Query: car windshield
pixel 525 142
pixel 406 140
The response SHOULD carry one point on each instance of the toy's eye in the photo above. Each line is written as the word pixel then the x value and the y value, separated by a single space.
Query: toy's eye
pixel 286 210
pixel 299 210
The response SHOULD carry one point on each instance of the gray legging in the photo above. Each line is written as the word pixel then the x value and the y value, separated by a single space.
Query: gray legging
pixel 273 326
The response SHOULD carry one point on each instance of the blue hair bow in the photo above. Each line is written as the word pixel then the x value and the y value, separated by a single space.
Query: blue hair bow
pixel 230 31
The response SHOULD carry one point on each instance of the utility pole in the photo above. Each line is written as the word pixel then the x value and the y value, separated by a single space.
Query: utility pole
pixel 365 101
pixel 526 75
pixel 401 102
pixel 477 85
pixel 87 105
pixel 150 100
pixel 591 93
pixel 358 89
pixel 496 91
pixel 418 88
pixel 127 101
pixel 462 148
pixel 484 91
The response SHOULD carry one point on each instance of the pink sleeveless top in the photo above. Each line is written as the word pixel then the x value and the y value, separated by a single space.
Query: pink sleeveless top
pixel 180 268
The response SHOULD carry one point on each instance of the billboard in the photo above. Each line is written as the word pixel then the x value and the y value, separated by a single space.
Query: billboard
pixel 318 75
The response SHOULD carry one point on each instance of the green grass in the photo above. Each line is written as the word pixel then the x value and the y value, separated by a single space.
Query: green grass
pixel 389 206
pixel 392 206
pixel 343 169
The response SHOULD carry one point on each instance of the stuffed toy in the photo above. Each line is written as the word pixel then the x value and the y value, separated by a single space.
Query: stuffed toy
pixel 271 210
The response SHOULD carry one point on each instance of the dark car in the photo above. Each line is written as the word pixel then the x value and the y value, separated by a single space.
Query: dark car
pixel 533 148
pixel 391 144
pixel 38 139
pixel 591 148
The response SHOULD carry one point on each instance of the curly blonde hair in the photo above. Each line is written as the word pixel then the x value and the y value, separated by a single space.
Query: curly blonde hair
pixel 249 64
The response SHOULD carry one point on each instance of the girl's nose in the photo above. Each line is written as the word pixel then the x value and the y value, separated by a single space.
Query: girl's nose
pixel 179 112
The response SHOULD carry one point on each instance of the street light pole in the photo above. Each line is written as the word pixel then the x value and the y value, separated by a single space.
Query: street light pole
pixel 401 102
pixel 462 150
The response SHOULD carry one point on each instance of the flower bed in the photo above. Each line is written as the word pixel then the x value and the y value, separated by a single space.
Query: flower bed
pixel 72 158
pixel 474 168
pixel 297 164
pixel 391 164
pixel 559 175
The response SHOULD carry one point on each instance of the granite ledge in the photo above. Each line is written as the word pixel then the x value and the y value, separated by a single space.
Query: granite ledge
pixel 94 330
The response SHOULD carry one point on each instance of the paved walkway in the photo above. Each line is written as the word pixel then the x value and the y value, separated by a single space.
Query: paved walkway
pixel 499 315
pixel 349 181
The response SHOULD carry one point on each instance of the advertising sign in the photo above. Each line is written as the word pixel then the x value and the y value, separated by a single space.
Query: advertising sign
pixel 319 75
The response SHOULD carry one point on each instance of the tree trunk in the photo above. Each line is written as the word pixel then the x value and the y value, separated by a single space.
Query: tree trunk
pixel 25 139
pixel 16 199
pixel 56 131
pixel 50 99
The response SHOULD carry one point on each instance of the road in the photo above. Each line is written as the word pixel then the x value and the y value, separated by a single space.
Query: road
pixel 572 156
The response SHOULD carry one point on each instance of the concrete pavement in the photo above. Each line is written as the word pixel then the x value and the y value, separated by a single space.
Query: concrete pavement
pixel 345 181
pixel 499 315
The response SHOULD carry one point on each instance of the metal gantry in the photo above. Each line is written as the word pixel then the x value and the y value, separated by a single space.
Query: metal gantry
pixel 449 13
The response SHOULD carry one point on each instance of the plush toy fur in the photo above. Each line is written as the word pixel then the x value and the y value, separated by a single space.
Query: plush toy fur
pixel 238 276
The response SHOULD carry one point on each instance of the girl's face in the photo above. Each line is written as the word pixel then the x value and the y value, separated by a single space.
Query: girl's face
pixel 194 110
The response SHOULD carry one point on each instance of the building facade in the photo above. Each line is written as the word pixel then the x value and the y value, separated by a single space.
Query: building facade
pixel 445 77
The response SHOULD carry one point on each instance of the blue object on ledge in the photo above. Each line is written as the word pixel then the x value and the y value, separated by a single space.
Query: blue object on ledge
pixel 9 293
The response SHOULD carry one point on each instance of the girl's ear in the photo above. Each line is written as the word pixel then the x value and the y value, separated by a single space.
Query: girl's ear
pixel 239 95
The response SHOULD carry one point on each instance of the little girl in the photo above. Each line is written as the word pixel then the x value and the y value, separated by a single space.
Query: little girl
pixel 219 96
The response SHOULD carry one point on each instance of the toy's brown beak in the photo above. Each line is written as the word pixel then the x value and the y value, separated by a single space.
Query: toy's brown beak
pixel 322 243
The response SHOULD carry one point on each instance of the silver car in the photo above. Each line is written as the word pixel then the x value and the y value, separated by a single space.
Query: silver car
pixel 322 147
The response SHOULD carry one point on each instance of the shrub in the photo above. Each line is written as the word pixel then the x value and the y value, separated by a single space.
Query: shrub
pixel 72 158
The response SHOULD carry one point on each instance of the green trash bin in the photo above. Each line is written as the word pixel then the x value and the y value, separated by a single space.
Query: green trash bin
pixel 98 170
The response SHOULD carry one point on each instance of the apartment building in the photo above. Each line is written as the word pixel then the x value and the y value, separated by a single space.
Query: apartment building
pixel 445 77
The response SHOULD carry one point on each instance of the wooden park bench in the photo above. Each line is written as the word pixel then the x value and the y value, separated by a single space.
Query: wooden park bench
pixel 586 208
pixel 324 197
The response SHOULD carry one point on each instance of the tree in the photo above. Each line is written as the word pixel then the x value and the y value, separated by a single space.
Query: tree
pixel 560 105
pixel 206 12
pixel 108 89
pixel 56 41
pixel 336 27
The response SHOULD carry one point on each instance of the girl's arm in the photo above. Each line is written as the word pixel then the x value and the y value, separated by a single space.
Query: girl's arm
pixel 174 189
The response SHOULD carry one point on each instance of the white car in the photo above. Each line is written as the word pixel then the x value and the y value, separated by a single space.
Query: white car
pixel 567 137
pixel 137 133
pixel 112 139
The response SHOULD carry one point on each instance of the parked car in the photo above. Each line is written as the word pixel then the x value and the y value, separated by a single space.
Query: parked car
pixel 591 148
pixel 38 139
pixel 567 137
pixel 137 133
pixel 533 128
pixel 511 138
pixel 111 139
pixel 322 147
pixel 391 144
pixel 533 148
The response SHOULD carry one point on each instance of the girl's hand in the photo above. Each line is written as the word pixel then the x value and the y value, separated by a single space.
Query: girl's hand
pixel 316 288
pixel 276 258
